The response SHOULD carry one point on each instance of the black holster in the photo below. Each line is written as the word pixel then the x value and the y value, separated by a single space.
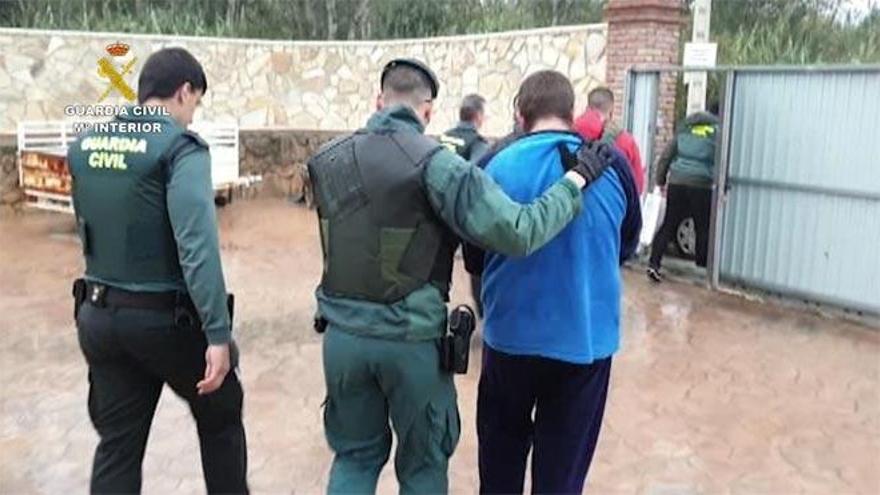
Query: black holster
pixel 455 346
pixel 187 316
pixel 320 324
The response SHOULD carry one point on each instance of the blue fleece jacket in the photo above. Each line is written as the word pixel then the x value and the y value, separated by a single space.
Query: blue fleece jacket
pixel 563 301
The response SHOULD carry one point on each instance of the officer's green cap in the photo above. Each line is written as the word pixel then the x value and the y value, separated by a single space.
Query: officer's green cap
pixel 417 65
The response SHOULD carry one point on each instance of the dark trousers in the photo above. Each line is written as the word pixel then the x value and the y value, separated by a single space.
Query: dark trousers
pixel 682 202
pixel 476 293
pixel 568 401
pixel 131 353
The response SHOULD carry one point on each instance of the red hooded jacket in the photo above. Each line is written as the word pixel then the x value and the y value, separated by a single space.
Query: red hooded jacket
pixel 591 124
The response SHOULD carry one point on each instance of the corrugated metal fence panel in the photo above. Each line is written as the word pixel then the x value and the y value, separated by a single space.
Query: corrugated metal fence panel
pixel 803 211
pixel 643 108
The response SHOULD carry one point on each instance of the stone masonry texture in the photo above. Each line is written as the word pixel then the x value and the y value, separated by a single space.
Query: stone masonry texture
pixel 297 85
pixel 287 97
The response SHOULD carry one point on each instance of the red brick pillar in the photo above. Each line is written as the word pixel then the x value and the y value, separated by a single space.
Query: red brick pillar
pixel 645 32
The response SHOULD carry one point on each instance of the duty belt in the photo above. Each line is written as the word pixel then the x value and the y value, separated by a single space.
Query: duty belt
pixel 104 295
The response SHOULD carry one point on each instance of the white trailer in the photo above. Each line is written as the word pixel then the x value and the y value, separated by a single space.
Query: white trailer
pixel 45 179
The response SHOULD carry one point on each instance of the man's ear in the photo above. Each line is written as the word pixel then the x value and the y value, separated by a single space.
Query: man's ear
pixel 182 92
pixel 519 119
pixel 429 109
pixel 380 102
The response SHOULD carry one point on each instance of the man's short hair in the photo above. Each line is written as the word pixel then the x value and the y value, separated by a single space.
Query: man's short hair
pixel 168 69
pixel 545 93
pixel 471 106
pixel 601 99
pixel 406 83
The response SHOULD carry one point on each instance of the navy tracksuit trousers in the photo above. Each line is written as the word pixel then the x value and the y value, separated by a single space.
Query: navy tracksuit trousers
pixel 568 401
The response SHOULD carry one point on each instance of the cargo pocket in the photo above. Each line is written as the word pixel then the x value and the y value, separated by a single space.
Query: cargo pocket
pixel 444 431
pixel 332 427
pixel 418 259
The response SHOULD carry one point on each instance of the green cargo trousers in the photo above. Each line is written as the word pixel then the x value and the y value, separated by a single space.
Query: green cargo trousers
pixel 370 380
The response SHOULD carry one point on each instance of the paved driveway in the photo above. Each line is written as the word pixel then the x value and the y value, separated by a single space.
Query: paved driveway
pixel 710 394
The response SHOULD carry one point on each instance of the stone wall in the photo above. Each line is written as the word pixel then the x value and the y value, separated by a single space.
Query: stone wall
pixel 10 194
pixel 280 157
pixel 296 85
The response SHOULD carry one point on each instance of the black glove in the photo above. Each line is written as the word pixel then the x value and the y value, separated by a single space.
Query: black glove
pixel 590 162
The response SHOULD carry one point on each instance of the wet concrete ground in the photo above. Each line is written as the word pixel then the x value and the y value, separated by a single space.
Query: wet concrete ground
pixel 710 394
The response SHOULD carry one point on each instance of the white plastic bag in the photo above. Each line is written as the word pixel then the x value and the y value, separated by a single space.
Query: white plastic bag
pixel 653 210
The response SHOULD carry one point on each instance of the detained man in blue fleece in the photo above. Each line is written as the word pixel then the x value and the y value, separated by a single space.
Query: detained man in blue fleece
pixel 552 319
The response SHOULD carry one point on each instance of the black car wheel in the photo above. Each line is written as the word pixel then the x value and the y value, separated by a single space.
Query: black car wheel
pixel 686 238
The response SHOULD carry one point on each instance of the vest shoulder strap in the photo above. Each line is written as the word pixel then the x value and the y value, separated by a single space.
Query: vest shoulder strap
pixel 418 147
pixel 185 143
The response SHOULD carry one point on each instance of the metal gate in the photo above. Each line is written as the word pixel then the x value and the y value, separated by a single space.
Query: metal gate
pixel 640 115
pixel 796 209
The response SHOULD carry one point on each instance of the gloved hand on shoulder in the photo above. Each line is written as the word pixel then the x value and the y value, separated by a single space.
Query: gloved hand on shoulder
pixel 590 160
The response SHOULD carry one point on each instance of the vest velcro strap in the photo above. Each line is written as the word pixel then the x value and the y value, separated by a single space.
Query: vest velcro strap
pixel 418 259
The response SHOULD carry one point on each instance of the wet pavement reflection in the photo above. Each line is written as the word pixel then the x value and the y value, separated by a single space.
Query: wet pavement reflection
pixel 711 393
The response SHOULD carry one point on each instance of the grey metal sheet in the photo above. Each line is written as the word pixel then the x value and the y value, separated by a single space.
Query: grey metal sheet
pixel 759 68
pixel 641 114
pixel 803 211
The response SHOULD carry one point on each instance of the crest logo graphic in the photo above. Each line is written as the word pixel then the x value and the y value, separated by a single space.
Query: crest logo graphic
pixel 108 70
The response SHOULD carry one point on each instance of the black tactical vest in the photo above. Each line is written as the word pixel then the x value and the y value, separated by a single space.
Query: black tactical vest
pixel 461 140
pixel 119 187
pixel 380 237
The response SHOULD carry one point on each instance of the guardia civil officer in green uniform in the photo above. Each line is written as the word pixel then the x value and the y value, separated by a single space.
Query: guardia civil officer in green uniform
pixel 152 307
pixel 687 165
pixel 391 204
pixel 465 139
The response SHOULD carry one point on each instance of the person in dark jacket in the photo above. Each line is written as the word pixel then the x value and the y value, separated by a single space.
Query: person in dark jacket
pixel 552 318
pixel 686 170
pixel 464 139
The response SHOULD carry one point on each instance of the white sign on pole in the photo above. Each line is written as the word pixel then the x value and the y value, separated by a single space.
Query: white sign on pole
pixel 700 54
